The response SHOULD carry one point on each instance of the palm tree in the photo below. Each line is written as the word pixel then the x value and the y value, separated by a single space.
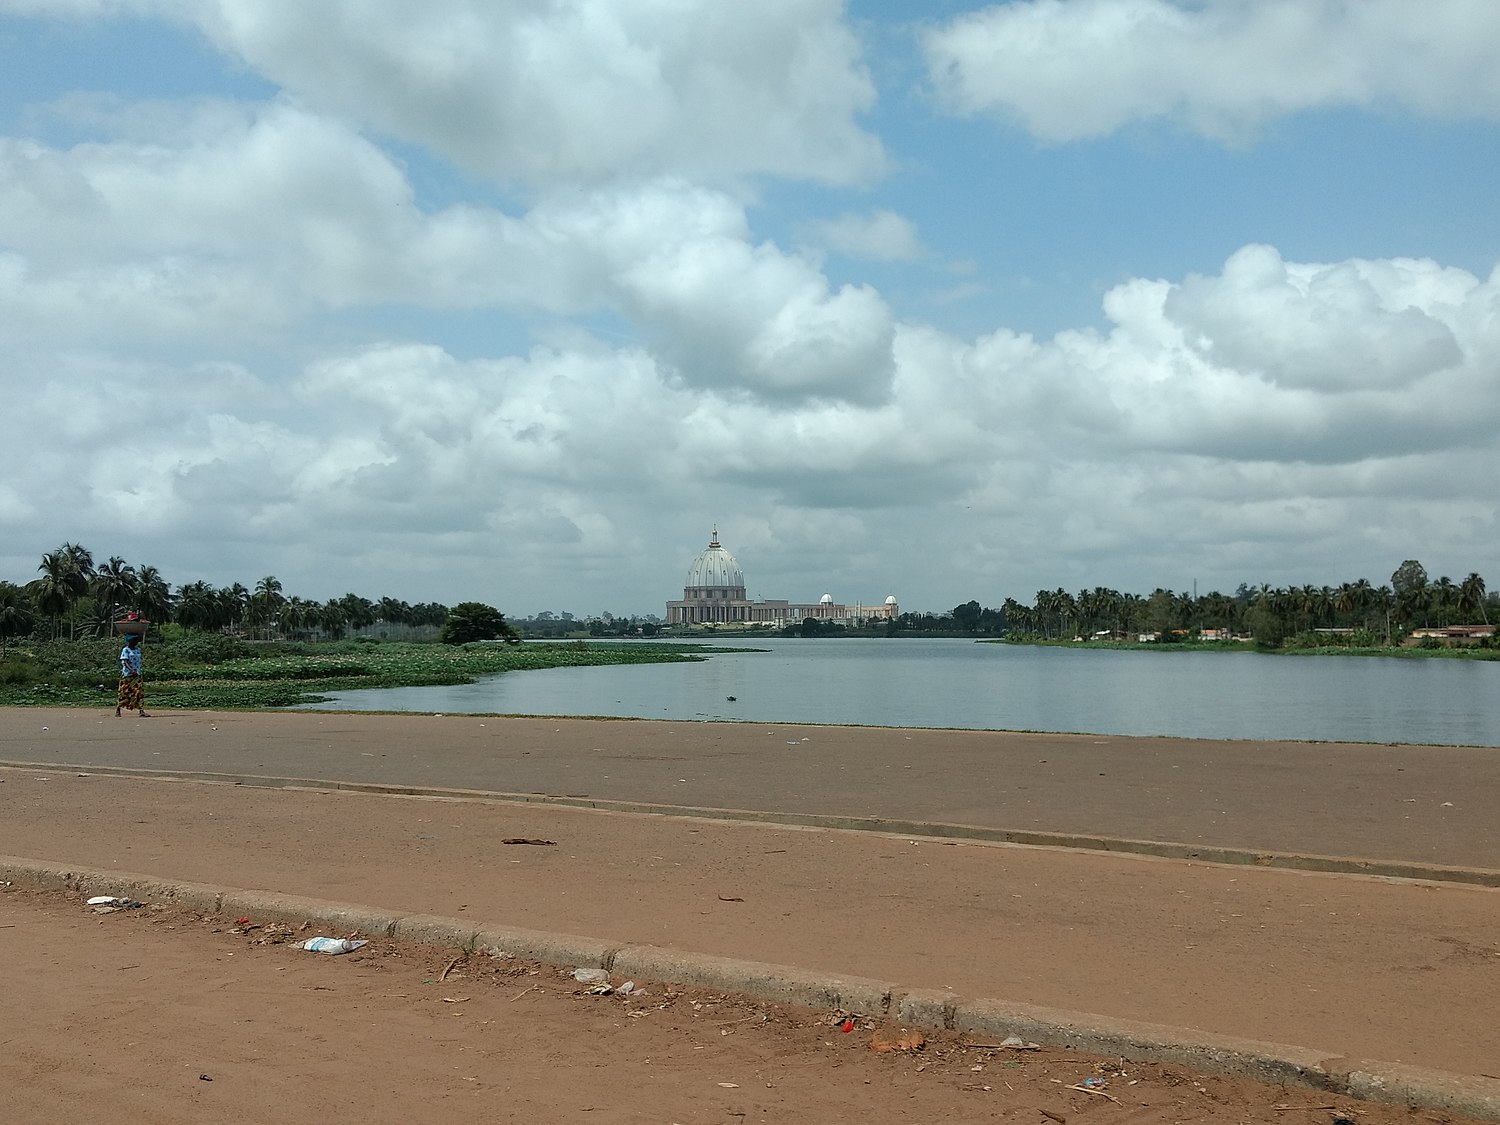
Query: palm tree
pixel 1218 611
pixel 394 612
pixel 153 598
pixel 232 602
pixel 55 592
pixel 429 613
pixel 1067 611
pixel 196 606
pixel 1015 615
pixel 1273 613
pixel 1362 598
pixel 1471 596
pixel 114 585
pixel 358 612
pixel 267 600
pixel 82 560
pixel 1444 596
pixel 333 618
pixel 1043 606
pixel 15 612
pixel 297 614
pixel 1383 598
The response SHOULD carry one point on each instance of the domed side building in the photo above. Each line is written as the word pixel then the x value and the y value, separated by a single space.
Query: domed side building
pixel 715 593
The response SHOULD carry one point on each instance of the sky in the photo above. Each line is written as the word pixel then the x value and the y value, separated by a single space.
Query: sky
pixel 517 300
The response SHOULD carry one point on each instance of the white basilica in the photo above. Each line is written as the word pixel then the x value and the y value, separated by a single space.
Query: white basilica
pixel 715 593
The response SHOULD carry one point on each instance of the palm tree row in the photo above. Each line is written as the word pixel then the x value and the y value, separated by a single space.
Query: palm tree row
pixel 92 597
pixel 1386 611
pixel 1409 602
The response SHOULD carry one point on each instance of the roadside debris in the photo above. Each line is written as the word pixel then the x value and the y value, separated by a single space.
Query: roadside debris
pixel 524 840
pixel 598 984
pixel 108 904
pixel 264 933
pixel 1094 1086
pixel 332 945
pixel 597 981
pixel 903 1040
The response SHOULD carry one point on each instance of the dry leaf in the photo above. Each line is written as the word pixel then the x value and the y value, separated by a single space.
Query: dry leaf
pixel 885 1041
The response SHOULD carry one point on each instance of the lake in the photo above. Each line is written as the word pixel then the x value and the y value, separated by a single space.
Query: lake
pixel 957 683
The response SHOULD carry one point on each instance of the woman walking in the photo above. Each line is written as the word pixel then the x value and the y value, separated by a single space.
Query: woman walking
pixel 132 678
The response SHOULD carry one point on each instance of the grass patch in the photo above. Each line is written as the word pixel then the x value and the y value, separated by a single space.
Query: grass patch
pixel 213 675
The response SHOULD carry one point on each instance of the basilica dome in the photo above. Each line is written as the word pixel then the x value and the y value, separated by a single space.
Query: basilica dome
pixel 715 567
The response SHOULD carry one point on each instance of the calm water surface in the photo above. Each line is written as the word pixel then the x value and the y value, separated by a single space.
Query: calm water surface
pixel 955 683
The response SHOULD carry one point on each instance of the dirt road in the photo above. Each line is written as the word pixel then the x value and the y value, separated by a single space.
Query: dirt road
pixel 162 1018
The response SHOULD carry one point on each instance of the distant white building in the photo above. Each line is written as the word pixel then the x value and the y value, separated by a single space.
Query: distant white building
pixel 715 593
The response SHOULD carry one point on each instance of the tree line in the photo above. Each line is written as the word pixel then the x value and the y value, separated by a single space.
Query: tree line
pixel 1383 614
pixel 75 597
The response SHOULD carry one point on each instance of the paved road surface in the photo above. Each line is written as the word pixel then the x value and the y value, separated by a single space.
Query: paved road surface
pixel 1413 803
pixel 1352 965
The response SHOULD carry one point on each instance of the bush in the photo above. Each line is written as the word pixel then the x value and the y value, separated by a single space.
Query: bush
pixel 18 669
pixel 206 648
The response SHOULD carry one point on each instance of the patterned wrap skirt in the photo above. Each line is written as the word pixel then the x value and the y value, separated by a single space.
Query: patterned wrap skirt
pixel 132 693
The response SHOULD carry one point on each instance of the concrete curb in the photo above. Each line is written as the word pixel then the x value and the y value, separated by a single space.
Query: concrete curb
pixel 940 830
pixel 1418 1088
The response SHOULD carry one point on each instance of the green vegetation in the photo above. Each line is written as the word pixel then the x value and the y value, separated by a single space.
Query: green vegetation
pixel 475 621
pixel 1352 618
pixel 72 599
pixel 209 671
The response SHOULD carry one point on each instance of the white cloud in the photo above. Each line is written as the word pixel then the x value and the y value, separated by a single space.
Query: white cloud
pixel 1289 362
pixel 576 90
pixel 245 339
pixel 1067 71
pixel 1356 326
pixel 236 223
pixel 881 236
pixel 724 311
pixel 1015 460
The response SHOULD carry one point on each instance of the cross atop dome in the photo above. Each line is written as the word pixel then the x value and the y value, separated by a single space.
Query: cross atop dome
pixel 714 539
